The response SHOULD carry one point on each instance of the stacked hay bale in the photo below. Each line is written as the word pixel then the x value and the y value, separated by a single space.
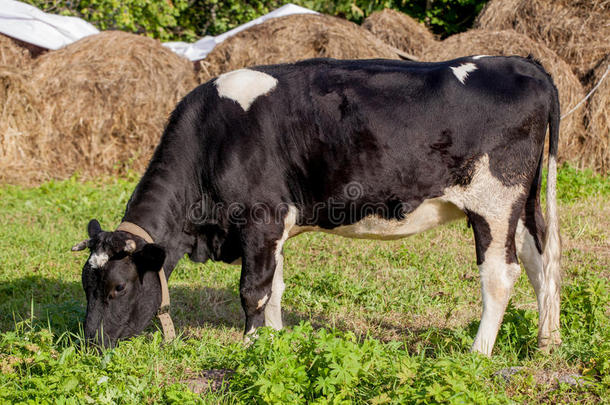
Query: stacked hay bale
pixel 578 31
pixel 12 54
pixel 597 119
pixel 98 106
pixel 292 38
pixel 475 42
pixel 400 31
pixel 20 120
pixel 19 110
pixel 104 102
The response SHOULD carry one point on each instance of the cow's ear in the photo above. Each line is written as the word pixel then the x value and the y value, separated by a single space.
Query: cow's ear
pixel 93 228
pixel 149 258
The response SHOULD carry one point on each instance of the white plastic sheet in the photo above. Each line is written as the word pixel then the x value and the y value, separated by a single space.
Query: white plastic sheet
pixel 29 24
pixel 200 49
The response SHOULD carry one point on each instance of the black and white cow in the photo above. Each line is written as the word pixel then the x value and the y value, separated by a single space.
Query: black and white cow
pixel 368 149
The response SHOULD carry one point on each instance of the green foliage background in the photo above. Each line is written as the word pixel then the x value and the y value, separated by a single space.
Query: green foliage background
pixel 191 19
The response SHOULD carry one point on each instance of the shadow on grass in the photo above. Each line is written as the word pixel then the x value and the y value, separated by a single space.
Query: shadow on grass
pixel 61 304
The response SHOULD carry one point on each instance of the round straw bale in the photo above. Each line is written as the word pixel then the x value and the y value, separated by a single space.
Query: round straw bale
pixel 12 54
pixel 19 123
pixel 106 98
pixel 509 42
pixel 578 31
pixel 292 38
pixel 597 118
pixel 400 31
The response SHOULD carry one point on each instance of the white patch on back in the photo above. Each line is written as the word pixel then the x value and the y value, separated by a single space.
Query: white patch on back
pixel 98 260
pixel 461 72
pixel 480 57
pixel 244 86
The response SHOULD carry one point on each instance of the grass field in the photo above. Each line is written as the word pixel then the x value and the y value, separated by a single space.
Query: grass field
pixel 368 322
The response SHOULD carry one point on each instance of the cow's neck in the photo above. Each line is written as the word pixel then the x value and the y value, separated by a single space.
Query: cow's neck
pixel 161 200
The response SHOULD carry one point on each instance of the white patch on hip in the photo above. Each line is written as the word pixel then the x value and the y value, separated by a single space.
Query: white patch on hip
pixel 485 195
pixel 480 57
pixel 461 72
pixel 98 260
pixel 244 86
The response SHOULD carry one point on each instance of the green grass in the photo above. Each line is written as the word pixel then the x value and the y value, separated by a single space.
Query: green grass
pixel 368 321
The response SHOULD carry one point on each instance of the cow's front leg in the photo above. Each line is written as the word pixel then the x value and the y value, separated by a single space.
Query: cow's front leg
pixel 262 279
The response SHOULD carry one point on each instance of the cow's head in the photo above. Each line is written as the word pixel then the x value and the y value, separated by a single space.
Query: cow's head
pixel 121 283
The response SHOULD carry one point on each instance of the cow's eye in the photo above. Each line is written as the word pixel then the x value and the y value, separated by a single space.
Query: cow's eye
pixel 119 287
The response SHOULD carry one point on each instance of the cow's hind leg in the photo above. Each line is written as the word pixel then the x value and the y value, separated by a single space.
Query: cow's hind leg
pixel 529 240
pixel 499 269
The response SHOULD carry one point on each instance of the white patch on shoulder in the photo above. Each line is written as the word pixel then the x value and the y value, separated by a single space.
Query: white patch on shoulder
pixel 244 86
pixel 98 260
pixel 480 57
pixel 461 72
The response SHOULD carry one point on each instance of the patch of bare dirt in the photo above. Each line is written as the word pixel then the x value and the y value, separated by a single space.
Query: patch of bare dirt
pixel 207 380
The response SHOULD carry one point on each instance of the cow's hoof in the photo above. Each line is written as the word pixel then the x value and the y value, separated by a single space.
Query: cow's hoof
pixel 549 344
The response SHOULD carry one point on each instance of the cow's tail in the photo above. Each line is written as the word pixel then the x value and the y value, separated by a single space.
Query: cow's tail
pixel 552 243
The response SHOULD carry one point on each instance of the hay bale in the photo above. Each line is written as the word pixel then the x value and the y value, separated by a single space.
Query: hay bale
pixel 509 42
pixel 292 38
pixel 19 122
pixel 597 118
pixel 400 31
pixel 106 99
pixel 12 54
pixel 576 31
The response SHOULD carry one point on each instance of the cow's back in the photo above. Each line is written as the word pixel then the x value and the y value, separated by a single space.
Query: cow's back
pixel 403 131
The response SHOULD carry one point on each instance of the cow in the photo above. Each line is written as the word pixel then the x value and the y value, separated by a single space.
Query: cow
pixel 377 149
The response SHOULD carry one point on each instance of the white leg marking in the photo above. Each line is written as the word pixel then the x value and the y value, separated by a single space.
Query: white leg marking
pixel 461 72
pixel 262 301
pixel 488 197
pixel 98 260
pixel 529 256
pixel 548 309
pixel 250 336
pixel 244 86
pixel 273 310
pixel 497 280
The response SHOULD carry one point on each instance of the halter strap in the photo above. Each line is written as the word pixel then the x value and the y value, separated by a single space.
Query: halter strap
pixel 163 313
